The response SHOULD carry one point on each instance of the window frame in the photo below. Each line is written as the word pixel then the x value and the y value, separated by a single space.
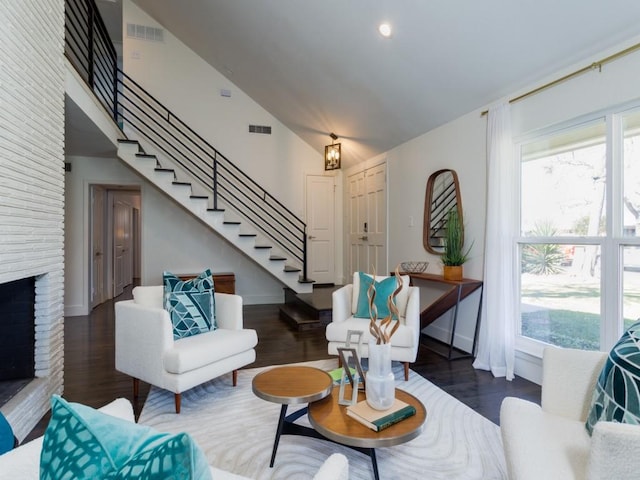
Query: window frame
pixel 611 244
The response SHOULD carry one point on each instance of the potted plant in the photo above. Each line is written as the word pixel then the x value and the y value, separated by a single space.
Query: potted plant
pixel 454 254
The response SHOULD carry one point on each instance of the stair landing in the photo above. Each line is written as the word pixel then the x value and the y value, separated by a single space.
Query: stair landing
pixel 305 311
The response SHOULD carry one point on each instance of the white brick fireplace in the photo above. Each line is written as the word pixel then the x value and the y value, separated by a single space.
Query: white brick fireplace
pixel 32 186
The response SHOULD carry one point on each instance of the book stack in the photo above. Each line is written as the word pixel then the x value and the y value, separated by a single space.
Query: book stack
pixel 378 420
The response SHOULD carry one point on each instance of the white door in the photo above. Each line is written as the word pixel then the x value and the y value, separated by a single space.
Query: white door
pixel 376 193
pixel 320 216
pixel 119 244
pixel 367 200
pixel 97 293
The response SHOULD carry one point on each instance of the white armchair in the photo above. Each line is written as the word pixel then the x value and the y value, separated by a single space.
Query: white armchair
pixel 550 441
pixel 404 342
pixel 146 350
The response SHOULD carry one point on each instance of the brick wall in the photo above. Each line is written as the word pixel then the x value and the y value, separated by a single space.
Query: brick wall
pixel 32 74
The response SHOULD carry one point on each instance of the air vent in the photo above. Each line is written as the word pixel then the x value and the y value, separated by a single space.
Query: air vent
pixel 142 32
pixel 260 129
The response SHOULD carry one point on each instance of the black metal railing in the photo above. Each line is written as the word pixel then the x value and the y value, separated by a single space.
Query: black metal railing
pixel 91 51
pixel 174 139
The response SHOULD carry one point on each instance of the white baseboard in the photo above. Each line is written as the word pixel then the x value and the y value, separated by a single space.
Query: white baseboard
pixel 460 342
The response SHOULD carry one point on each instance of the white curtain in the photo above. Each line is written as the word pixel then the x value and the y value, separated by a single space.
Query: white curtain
pixel 496 341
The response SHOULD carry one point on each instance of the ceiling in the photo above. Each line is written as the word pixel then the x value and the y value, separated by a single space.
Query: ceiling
pixel 321 66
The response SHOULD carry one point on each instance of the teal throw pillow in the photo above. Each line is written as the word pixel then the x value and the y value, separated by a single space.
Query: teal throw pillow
pixel 83 443
pixel 616 397
pixel 191 304
pixel 384 289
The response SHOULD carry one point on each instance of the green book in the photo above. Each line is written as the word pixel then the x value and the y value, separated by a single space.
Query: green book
pixel 378 420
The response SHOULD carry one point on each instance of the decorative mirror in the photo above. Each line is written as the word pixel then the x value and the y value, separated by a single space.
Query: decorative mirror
pixel 443 194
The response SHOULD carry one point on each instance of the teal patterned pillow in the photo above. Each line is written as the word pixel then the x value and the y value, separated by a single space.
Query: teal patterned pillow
pixel 82 443
pixel 191 304
pixel 384 288
pixel 617 394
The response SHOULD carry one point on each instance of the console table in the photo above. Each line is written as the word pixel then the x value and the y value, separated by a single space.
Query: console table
pixel 458 290
pixel 223 282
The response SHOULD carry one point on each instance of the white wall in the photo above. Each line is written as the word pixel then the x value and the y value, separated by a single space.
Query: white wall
pixel 461 145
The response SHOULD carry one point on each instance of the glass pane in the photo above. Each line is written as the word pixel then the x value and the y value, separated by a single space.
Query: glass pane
pixel 631 172
pixel 560 294
pixel 563 183
pixel 631 285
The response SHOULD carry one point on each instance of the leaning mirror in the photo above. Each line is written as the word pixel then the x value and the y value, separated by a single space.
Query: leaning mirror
pixel 443 194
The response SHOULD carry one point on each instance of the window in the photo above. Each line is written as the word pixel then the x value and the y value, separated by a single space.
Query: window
pixel 579 251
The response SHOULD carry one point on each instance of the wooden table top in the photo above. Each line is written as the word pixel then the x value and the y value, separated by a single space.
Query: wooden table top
pixel 331 420
pixel 292 385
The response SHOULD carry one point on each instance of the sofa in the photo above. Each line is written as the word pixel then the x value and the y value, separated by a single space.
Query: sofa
pixel 24 462
pixel 146 349
pixel 550 441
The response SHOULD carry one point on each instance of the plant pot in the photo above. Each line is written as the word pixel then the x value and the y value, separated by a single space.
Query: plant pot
pixel 380 385
pixel 452 272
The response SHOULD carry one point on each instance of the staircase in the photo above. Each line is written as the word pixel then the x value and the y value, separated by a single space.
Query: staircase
pixel 181 163
pixel 236 232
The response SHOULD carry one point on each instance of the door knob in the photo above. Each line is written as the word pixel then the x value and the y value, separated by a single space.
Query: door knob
pixel 311 237
pixel 363 238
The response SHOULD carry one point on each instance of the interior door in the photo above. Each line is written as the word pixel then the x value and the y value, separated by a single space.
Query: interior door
pixel 320 217
pixel 97 293
pixel 357 224
pixel 376 200
pixel 367 200
pixel 119 244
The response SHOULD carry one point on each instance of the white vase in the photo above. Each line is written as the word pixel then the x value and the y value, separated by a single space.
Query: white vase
pixel 380 386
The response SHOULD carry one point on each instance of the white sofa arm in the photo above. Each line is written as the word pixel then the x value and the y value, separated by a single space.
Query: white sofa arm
pixel 228 311
pixel 412 316
pixel 568 380
pixel 614 451
pixel 143 334
pixel 341 303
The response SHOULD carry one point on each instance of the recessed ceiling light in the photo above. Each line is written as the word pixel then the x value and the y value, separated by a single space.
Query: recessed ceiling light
pixel 385 30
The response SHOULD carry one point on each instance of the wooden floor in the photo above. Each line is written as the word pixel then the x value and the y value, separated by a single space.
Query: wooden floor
pixel 90 376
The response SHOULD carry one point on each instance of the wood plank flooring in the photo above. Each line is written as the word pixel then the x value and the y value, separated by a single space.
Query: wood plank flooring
pixel 90 376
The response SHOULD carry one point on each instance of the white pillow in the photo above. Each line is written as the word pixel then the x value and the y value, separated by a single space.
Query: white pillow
pixel 401 300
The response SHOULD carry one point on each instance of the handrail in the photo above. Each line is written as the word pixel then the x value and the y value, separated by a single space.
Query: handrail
pixel 168 133
pixel 91 51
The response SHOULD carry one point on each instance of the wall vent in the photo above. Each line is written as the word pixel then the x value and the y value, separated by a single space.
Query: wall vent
pixel 260 129
pixel 142 32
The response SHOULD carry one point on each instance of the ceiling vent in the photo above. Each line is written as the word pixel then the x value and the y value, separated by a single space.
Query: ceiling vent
pixel 142 32
pixel 260 129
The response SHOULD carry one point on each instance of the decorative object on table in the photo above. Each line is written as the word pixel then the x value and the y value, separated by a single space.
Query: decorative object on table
pixel 353 375
pixel 380 381
pixel 378 420
pixel 454 253
pixel 414 267
pixel 349 358
pixel 442 196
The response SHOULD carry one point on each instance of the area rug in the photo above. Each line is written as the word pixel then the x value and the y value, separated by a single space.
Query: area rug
pixel 236 431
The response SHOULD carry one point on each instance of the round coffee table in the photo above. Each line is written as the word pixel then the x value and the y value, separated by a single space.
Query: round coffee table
pixel 291 385
pixel 331 420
